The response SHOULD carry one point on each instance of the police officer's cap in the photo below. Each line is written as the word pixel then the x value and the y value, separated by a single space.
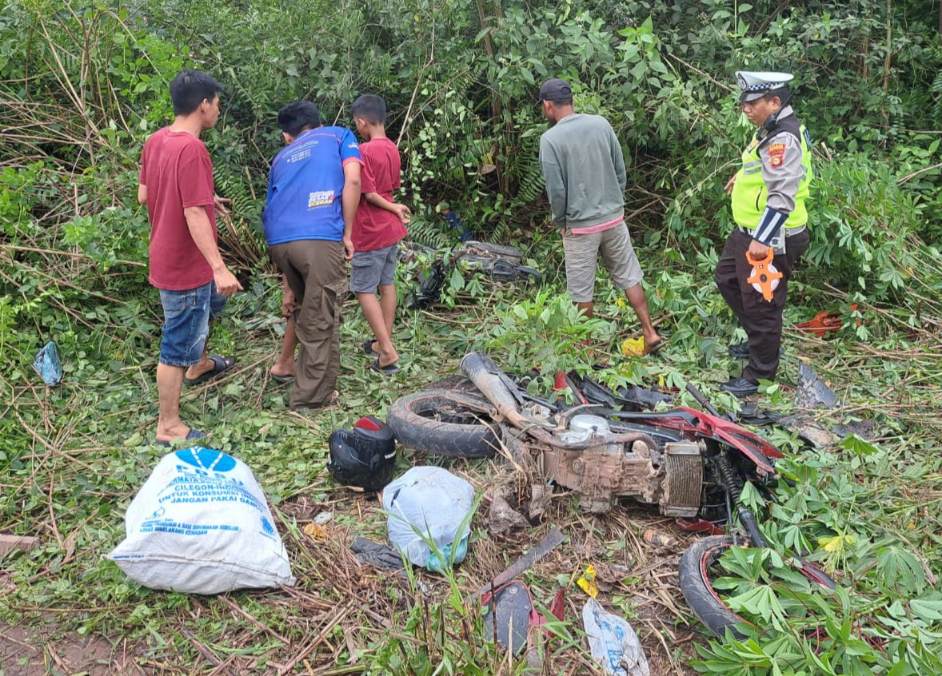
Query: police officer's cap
pixel 755 85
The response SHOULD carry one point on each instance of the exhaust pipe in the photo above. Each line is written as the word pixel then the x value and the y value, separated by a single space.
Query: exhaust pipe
pixel 487 377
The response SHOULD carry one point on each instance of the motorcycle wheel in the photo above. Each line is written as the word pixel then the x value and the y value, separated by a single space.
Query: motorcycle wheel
pixel 436 422
pixel 697 587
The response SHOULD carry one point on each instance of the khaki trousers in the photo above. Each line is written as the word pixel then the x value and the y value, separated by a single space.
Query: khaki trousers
pixel 315 272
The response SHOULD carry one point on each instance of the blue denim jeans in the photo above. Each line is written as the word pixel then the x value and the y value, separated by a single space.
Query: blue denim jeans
pixel 186 323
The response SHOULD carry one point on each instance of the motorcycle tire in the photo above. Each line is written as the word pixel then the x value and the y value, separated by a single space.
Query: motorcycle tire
pixel 697 587
pixel 704 601
pixel 433 421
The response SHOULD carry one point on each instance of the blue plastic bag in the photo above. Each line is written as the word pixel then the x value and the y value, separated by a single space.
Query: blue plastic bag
pixel 47 364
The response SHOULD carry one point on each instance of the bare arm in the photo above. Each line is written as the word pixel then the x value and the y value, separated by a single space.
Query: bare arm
pixel 141 193
pixel 377 200
pixel 201 230
pixel 350 200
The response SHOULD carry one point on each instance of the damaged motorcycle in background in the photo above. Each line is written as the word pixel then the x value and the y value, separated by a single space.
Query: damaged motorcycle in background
pixel 688 463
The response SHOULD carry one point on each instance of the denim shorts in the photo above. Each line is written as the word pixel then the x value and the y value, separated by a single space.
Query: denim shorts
pixel 372 269
pixel 186 323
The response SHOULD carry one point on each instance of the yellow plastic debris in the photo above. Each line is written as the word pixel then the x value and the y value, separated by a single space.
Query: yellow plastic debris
pixel 633 347
pixel 315 531
pixel 587 582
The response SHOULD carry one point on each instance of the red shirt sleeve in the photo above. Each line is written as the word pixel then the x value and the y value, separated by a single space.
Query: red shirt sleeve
pixel 367 177
pixel 195 177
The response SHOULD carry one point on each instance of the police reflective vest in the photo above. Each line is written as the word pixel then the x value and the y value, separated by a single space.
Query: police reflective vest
pixel 750 194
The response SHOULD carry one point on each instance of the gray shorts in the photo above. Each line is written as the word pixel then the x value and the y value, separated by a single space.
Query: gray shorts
pixel 618 256
pixel 372 269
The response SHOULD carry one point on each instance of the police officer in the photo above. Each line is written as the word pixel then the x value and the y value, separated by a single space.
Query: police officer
pixel 768 201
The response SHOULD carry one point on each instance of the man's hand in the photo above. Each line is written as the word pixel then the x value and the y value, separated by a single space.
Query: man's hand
pixel 758 250
pixel 729 184
pixel 226 282
pixel 220 204
pixel 401 210
pixel 347 247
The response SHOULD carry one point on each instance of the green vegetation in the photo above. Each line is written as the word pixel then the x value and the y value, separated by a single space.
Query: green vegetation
pixel 83 82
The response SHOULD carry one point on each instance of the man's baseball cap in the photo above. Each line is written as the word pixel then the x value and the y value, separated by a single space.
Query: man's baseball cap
pixel 555 89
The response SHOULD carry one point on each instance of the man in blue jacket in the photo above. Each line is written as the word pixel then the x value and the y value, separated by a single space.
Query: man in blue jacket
pixel 313 193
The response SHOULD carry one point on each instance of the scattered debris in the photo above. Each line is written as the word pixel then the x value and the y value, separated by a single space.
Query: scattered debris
pixel 377 554
pixel 500 263
pixel 613 643
pixel 501 517
pixel 550 541
pixel 812 391
pixel 659 538
pixel 315 531
pixel 821 324
pixel 510 614
pixel 428 516
pixel 200 524
pixel 21 543
pixel 633 347
pixel 323 518
pixel 48 365
pixel 587 583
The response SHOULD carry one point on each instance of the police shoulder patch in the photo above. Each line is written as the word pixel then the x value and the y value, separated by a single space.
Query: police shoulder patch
pixel 776 155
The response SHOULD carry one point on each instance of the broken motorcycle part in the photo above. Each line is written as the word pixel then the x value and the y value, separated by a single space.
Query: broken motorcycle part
pixel 549 542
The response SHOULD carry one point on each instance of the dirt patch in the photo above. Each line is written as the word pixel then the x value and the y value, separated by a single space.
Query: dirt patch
pixel 42 650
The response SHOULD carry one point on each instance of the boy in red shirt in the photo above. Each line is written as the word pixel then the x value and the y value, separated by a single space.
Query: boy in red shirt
pixel 377 231
pixel 176 183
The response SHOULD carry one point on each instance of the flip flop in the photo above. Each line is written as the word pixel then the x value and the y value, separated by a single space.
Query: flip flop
pixel 281 379
pixel 387 370
pixel 220 365
pixel 192 435
pixel 367 346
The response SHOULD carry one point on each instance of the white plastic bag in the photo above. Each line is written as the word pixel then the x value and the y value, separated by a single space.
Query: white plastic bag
pixel 613 642
pixel 429 502
pixel 200 524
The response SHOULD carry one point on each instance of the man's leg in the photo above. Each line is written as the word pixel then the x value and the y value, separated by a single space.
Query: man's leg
pixel 217 303
pixel 763 320
pixel 284 365
pixel 387 301
pixel 369 270
pixel 373 312
pixel 169 385
pixel 727 270
pixel 387 288
pixel 314 270
pixel 622 264
pixel 581 259
pixel 183 338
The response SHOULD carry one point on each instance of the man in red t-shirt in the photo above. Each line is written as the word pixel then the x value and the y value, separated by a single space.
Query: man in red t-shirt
pixel 176 183
pixel 377 231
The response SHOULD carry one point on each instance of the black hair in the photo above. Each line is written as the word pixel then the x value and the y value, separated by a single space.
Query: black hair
pixel 370 107
pixel 298 116
pixel 783 93
pixel 190 88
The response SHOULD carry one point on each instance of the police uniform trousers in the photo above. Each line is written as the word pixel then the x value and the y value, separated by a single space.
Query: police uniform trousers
pixel 761 320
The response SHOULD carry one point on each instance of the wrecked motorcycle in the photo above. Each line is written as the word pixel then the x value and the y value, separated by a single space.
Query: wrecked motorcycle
pixel 689 463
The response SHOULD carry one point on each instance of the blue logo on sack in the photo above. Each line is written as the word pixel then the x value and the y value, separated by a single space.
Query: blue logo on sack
pixel 267 527
pixel 207 458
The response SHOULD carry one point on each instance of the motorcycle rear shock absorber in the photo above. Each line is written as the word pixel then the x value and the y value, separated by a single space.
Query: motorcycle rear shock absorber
pixel 733 484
